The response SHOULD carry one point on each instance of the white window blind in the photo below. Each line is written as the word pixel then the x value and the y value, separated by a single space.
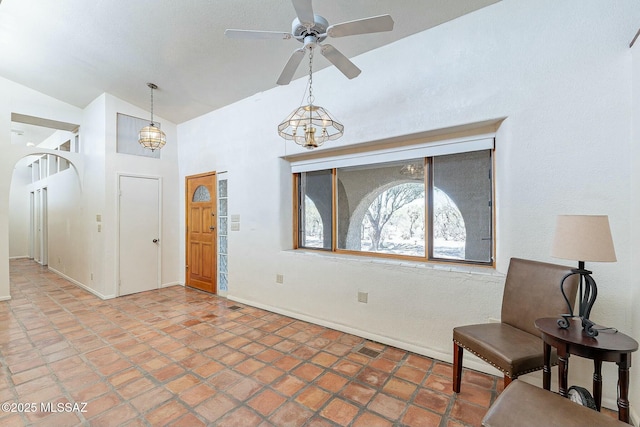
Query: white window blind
pixel 427 149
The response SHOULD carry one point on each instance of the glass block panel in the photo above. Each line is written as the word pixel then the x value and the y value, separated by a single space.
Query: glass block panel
pixel 223 244
pixel 201 194
pixel 223 263
pixel 223 285
pixel 223 225
pixel 223 207
pixel 222 188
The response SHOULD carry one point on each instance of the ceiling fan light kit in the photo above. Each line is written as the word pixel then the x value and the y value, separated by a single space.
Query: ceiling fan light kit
pixel 311 125
pixel 151 136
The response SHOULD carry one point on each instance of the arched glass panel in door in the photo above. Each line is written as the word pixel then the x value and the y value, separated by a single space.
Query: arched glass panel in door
pixel 201 194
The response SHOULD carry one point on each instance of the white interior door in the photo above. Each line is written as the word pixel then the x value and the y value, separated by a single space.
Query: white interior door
pixel 37 227
pixel 44 229
pixel 139 234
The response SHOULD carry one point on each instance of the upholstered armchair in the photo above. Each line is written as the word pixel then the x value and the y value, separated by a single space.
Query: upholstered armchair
pixel 531 291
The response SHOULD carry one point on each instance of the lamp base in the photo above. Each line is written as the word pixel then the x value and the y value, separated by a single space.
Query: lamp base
pixel 587 325
pixel 588 293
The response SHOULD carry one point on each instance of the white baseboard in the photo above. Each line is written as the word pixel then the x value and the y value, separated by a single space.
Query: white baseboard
pixel 7 298
pixel 167 285
pixel 19 257
pixel 82 285
pixel 477 364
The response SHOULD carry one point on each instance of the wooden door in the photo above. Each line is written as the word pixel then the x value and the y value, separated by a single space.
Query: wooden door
pixel 201 232
pixel 139 234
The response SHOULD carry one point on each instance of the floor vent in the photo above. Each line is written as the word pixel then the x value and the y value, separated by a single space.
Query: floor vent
pixel 235 307
pixel 369 352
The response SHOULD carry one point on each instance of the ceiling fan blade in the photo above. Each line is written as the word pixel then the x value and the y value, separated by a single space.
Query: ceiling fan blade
pixel 343 63
pixel 256 35
pixel 291 67
pixel 375 24
pixel 304 10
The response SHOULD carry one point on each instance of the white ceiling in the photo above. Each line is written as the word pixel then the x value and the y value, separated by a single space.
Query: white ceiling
pixel 75 50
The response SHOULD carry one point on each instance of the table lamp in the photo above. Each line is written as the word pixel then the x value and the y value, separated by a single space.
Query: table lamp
pixel 583 238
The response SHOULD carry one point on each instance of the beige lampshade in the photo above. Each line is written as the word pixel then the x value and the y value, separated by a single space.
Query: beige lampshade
pixel 583 238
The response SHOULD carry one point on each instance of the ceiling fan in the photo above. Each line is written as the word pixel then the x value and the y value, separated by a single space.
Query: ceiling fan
pixel 312 30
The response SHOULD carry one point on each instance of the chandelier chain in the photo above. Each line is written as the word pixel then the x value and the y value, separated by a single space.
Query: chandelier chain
pixel 310 99
pixel 151 105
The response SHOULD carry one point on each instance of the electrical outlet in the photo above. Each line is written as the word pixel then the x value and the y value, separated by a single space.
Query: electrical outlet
pixel 363 297
pixel 280 278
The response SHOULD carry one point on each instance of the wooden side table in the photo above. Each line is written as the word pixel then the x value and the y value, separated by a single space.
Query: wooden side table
pixel 608 346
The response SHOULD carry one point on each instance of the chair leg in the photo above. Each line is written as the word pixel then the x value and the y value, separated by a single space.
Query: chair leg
pixel 457 367
pixel 507 381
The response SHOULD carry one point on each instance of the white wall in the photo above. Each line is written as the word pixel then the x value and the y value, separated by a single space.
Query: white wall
pixel 18 221
pixel 77 250
pixel 634 282
pixel 560 74
pixel 19 99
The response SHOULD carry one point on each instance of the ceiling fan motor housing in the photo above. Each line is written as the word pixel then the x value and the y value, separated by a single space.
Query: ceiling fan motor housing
pixel 301 31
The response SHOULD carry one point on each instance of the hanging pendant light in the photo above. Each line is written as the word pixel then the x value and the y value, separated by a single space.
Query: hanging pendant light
pixel 151 136
pixel 310 125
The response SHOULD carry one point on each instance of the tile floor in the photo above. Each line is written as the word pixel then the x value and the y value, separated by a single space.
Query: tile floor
pixel 180 357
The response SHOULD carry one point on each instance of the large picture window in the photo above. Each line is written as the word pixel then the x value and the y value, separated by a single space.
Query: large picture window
pixel 431 208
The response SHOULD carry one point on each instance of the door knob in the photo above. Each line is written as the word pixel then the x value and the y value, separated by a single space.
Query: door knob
pixel 212 228
pixel 155 240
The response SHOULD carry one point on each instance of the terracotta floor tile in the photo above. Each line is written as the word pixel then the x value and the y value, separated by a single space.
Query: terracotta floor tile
pixel 287 363
pixel 387 406
pixel 180 357
pixel 324 359
pixel 399 388
pixel 369 419
pixel 307 371
pixel 241 417
pixel 266 402
pixel 188 420
pixel 133 389
pixel 477 395
pixel 408 373
pixel 291 414
pixel 197 394
pixel 467 412
pixel 340 412
pixel 348 368
pixel 118 416
pixel 244 389
pixel 430 399
pixel 313 397
pixel 288 385
pixel 373 377
pixel 207 369
pixel 215 408
pixel 166 413
pixel 420 418
pixel 268 374
pixel 478 379
pixel 385 365
pixel 249 366
pixel 331 382
pixel 182 383
pixel 358 393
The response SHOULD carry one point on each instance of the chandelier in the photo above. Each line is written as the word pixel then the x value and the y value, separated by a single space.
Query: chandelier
pixel 310 125
pixel 151 136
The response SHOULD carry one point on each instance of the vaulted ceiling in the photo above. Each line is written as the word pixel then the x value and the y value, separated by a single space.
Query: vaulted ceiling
pixel 75 50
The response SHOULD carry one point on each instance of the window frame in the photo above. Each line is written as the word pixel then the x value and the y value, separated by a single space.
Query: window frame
pixel 428 218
